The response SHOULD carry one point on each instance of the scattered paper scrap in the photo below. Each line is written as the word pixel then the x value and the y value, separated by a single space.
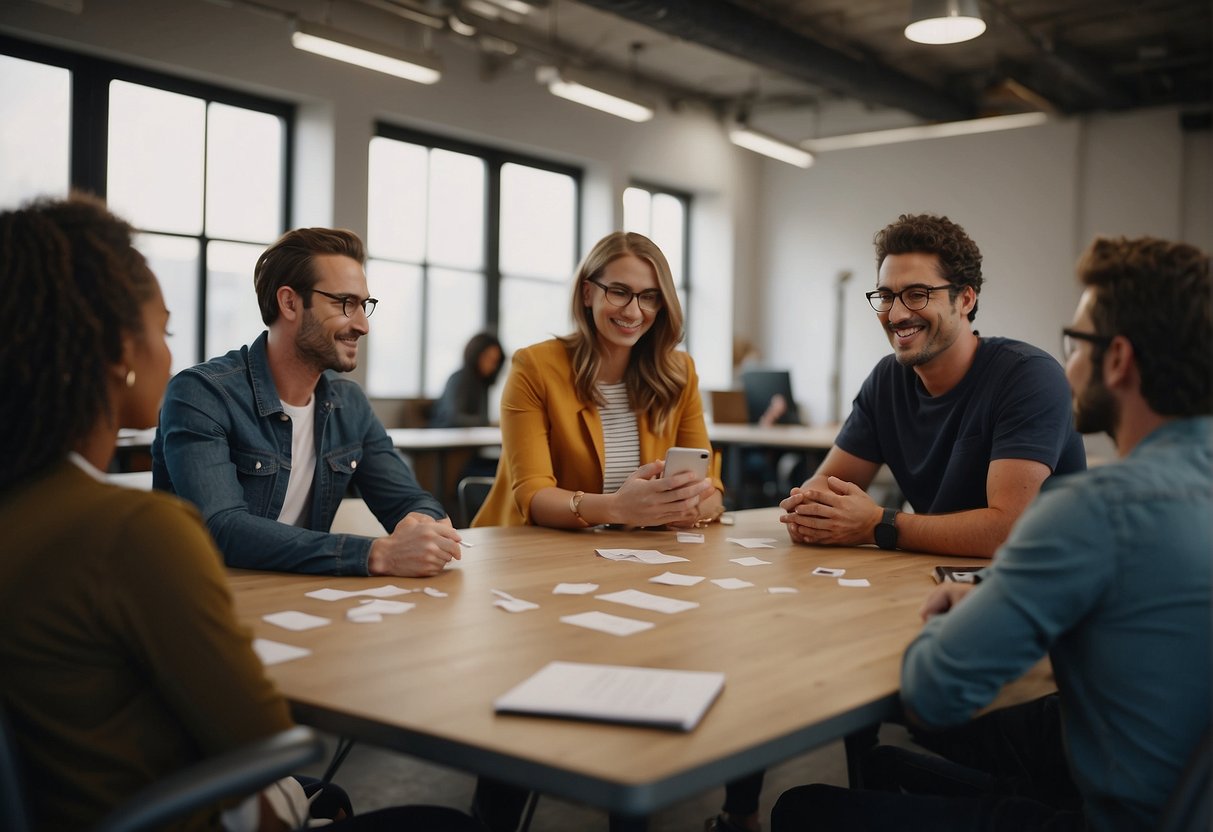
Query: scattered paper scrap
pixel 749 561
pixel 294 620
pixel 731 583
pixel 689 537
pixel 647 601
pixel 638 555
pixel 275 652
pixel 574 589
pixel 387 591
pixel 853 582
pixel 373 611
pixel 466 544
pixel 753 542
pixel 606 623
pixel 782 590
pixel 675 579
pixel 828 572
pixel 727 519
pixel 511 604
pixel 434 593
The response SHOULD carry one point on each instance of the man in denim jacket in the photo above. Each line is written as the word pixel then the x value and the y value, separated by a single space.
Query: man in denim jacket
pixel 266 439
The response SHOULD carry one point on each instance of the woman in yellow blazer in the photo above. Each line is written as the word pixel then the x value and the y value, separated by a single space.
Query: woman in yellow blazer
pixel 555 458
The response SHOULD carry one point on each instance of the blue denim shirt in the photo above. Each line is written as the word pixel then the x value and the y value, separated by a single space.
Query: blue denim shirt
pixel 224 444
pixel 1109 571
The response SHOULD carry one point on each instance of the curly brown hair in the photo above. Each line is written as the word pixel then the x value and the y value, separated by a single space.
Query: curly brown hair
pixel 72 286
pixel 959 257
pixel 288 262
pixel 1157 294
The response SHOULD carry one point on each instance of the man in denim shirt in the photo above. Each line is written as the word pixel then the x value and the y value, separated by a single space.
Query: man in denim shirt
pixel 266 439
pixel 1108 572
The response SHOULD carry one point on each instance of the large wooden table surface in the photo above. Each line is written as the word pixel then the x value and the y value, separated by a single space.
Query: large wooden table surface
pixel 801 670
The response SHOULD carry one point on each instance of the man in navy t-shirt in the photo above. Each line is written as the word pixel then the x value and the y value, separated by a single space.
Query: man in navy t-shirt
pixel 970 427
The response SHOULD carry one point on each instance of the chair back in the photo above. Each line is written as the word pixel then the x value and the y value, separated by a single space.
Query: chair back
pixel 1189 808
pixel 13 816
pixel 473 491
pixel 728 407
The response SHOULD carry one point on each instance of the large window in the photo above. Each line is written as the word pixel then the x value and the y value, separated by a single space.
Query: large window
pixel 461 238
pixel 661 215
pixel 200 171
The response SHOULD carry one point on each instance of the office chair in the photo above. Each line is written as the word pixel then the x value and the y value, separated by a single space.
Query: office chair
pixel 472 493
pixel 1189 808
pixel 239 772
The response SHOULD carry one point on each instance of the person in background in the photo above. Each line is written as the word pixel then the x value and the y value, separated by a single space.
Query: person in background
pixel 465 399
pixel 586 420
pixel 267 439
pixel 123 660
pixel 1108 572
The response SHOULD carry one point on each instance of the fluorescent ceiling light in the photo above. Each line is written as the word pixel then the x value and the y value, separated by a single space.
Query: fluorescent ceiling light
pixel 590 93
pixel 944 21
pixel 370 54
pixel 768 146
pixel 925 131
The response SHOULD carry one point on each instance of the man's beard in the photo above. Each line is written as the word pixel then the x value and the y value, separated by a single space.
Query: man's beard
pixel 1095 409
pixel 316 347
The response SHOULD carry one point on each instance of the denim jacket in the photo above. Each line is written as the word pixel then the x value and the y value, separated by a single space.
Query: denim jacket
pixel 224 444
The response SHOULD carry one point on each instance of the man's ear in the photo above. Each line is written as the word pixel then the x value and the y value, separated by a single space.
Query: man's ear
pixel 290 305
pixel 968 299
pixel 1119 362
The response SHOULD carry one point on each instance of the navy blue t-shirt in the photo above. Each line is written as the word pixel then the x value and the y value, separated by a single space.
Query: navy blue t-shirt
pixel 1013 403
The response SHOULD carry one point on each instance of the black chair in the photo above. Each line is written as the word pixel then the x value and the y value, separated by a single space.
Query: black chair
pixel 239 772
pixel 472 493
pixel 1189 808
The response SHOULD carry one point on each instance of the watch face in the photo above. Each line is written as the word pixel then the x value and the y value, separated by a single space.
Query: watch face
pixel 886 535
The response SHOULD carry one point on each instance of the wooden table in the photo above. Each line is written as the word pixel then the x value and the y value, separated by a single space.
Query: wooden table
pixel 801 670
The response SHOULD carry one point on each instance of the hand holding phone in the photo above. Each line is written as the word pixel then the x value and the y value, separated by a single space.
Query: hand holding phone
pixel 678 460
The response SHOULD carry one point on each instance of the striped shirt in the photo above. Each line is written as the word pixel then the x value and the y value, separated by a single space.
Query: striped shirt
pixel 620 438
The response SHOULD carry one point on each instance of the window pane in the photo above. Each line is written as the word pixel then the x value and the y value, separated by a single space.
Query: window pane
pixel 636 210
pixel 669 222
pixel 174 261
pixel 393 359
pixel 532 311
pixel 455 312
pixel 396 220
pixel 243 173
pixel 233 318
pixel 456 228
pixel 538 222
pixel 35 109
pixel 156 158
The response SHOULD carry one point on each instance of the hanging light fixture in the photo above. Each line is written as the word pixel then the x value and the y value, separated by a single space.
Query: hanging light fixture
pixel 593 92
pixel 743 136
pixel 944 21
pixel 369 54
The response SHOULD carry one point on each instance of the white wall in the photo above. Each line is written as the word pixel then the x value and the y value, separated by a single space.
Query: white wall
pixel 1031 199
pixel 339 104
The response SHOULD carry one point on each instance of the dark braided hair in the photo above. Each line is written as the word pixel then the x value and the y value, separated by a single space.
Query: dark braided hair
pixel 71 287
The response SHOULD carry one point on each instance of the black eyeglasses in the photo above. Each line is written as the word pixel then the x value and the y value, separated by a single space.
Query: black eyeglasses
pixel 349 301
pixel 1069 337
pixel 913 298
pixel 650 299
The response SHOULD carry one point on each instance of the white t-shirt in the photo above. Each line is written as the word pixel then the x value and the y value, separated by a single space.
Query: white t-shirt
pixel 298 500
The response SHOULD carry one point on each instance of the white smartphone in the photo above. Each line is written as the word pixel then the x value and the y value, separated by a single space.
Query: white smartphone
pixel 678 460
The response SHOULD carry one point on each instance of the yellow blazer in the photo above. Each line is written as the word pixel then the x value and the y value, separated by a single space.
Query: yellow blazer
pixel 550 438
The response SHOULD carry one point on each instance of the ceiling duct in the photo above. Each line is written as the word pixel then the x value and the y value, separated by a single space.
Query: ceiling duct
pixel 734 31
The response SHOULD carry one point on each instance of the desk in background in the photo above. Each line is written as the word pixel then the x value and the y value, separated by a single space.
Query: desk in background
pixel 438 455
pixel 801 670
pixel 808 443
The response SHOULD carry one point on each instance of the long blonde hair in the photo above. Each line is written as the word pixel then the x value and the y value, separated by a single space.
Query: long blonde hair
pixel 656 374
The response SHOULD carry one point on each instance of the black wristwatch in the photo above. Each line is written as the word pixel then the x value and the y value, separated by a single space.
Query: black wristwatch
pixel 886 530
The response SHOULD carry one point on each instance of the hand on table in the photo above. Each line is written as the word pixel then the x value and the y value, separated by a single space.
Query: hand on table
pixel 944 597
pixel 645 499
pixel 418 547
pixel 842 515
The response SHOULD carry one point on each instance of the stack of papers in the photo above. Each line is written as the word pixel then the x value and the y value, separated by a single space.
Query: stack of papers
pixel 675 699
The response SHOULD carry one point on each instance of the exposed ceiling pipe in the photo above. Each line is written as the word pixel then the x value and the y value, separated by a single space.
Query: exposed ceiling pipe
pixel 727 28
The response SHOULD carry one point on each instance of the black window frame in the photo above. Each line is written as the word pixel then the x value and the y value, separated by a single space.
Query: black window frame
pixel 686 198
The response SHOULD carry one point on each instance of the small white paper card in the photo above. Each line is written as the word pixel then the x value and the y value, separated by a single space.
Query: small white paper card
pixel 645 556
pixel 675 579
pixel 689 537
pixel 749 561
pixel 648 601
pixel 383 607
pixel 327 594
pixel 434 593
pixel 853 582
pixel 275 652
pixel 638 555
pixel 511 604
pixel 753 542
pixel 674 699
pixel 293 620
pixel 731 583
pixel 606 623
pixel 782 590
pixel 828 572
pixel 574 589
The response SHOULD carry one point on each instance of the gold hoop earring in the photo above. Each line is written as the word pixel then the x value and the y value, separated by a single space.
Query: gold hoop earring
pixel 130 378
